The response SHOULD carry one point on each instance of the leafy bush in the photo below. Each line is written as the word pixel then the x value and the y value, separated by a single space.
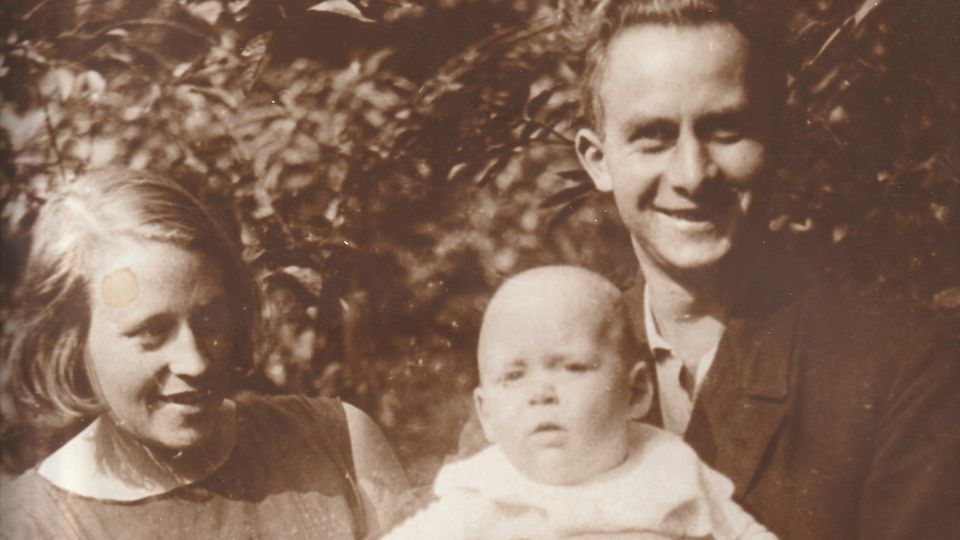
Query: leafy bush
pixel 387 162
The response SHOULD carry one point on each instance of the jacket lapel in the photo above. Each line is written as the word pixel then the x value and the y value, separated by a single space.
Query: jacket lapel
pixel 744 399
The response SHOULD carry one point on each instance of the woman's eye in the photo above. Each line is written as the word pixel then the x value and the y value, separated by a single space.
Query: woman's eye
pixel 152 334
pixel 212 320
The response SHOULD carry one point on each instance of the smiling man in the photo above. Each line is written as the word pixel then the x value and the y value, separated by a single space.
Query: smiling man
pixel 833 413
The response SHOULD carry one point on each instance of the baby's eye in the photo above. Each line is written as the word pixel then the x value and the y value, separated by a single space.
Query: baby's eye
pixel 511 376
pixel 579 367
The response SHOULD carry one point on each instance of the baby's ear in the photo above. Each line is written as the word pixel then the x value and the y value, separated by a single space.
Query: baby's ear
pixel 641 390
pixel 482 414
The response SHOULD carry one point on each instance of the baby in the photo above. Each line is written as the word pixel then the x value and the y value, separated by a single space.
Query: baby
pixel 558 390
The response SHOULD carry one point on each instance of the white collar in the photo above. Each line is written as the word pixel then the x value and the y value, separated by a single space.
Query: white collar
pixel 660 475
pixel 656 341
pixel 75 467
pixel 654 338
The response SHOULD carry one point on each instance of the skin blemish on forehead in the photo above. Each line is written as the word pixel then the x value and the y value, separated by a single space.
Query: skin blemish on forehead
pixel 120 288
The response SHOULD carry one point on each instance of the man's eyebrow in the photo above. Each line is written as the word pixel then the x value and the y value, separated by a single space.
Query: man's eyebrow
pixel 739 111
pixel 634 126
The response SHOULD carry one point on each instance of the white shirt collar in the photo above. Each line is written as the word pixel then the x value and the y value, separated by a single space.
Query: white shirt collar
pixel 656 341
pixel 654 338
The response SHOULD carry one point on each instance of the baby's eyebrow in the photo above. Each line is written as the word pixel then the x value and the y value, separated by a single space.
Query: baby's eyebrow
pixel 515 363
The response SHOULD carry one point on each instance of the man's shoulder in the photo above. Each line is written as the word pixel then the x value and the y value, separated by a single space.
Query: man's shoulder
pixel 848 315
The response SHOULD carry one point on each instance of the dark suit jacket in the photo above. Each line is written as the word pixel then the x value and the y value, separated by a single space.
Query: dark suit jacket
pixel 835 415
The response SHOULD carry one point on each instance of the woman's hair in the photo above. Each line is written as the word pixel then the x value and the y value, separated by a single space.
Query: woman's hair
pixel 766 76
pixel 52 302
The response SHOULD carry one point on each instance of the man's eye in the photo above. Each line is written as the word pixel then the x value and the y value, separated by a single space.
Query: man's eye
pixel 655 137
pixel 726 129
pixel 728 136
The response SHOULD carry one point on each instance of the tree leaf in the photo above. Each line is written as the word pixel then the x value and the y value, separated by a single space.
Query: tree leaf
pixel 529 131
pixel 256 55
pixel 566 195
pixel 538 101
pixel 565 213
pixel 948 298
pixel 494 168
pixel 341 7
pixel 577 175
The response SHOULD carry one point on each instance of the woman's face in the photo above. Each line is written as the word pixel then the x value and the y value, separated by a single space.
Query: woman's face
pixel 160 340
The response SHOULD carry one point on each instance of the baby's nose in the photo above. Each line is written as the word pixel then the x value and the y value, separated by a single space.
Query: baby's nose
pixel 543 393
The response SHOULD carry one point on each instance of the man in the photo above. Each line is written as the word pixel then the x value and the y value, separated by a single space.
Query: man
pixel 835 416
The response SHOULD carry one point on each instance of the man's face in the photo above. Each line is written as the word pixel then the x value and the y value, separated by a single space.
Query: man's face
pixel 554 396
pixel 680 149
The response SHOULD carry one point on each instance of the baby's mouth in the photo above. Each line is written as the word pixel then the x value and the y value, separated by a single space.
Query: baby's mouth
pixel 547 427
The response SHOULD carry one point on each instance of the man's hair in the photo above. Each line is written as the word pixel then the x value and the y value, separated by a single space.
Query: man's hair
pixel 52 306
pixel 766 76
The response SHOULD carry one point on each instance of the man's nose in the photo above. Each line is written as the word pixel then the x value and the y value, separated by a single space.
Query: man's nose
pixel 187 357
pixel 691 164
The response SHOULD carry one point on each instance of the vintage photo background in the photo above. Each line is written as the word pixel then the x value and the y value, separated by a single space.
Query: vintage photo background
pixel 386 163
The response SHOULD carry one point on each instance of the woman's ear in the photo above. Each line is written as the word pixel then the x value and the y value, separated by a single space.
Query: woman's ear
pixel 641 390
pixel 589 148
pixel 481 414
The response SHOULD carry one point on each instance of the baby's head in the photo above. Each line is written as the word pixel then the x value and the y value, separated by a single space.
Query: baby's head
pixel 558 379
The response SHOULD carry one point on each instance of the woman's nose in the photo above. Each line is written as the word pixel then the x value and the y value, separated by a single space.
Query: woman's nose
pixel 691 165
pixel 188 358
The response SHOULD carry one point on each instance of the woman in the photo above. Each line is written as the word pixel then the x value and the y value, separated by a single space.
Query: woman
pixel 134 318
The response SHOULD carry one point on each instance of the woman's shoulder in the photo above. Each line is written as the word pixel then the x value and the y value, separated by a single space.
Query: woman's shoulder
pixel 291 408
pixel 30 506
pixel 20 490
pixel 296 426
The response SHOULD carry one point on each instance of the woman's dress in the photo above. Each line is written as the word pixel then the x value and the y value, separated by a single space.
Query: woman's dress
pixel 290 475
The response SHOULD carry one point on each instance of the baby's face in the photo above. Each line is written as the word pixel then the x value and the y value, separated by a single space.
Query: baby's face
pixel 554 395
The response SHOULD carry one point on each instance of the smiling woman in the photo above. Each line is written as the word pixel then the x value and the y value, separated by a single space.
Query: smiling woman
pixel 134 319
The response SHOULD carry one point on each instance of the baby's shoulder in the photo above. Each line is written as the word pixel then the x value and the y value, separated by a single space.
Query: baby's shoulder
pixel 646 438
pixel 660 452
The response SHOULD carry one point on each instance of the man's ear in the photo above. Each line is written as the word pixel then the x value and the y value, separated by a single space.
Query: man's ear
pixel 482 414
pixel 589 148
pixel 641 390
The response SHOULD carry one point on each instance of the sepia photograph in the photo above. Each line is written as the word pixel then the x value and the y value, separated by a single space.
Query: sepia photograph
pixel 480 269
